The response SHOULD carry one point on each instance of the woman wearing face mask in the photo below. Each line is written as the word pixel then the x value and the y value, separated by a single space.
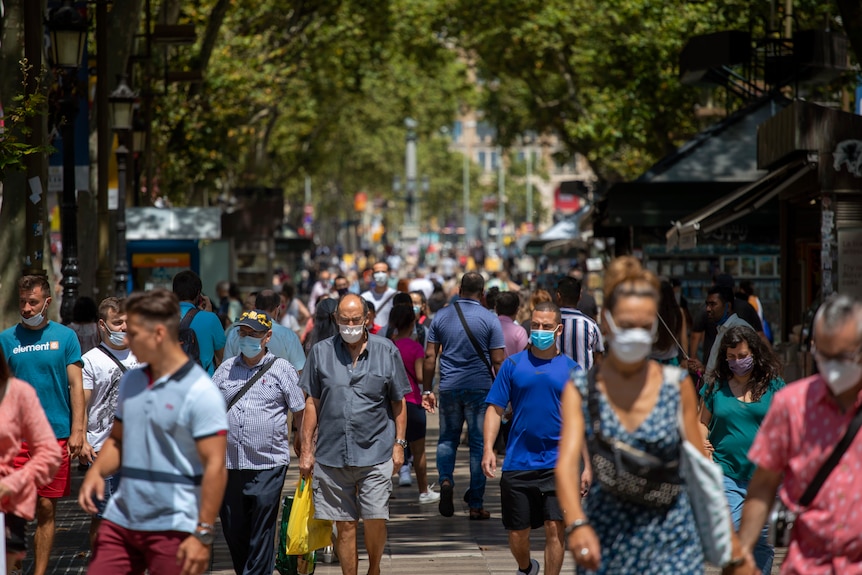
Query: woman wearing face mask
pixel 734 405
pixel 637 403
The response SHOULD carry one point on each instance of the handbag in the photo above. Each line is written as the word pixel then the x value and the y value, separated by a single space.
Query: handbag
pixel 782 519
pixel 626 472
pixel 704 484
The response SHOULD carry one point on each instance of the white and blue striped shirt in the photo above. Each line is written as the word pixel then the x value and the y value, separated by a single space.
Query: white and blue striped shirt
pixel 257 435
pixel 581 337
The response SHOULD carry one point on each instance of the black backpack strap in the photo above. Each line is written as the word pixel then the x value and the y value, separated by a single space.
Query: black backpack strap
pixel 475 343
pixel 123 368
pixel 832 461
pixel 186 322
pixel 263 369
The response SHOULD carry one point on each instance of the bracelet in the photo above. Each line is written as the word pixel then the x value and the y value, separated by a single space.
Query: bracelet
pixel 427 392
pixel 576 524
pixel 207 526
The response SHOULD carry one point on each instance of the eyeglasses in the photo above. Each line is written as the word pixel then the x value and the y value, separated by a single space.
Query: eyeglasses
pixel 358 320
pixel 251 333
pixel 843 358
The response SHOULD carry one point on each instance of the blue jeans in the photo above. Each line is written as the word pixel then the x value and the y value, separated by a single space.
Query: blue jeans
pixel 457 406
pixel 763 552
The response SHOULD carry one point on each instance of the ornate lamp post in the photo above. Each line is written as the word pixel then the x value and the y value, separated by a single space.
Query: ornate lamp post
pixel 68 30
pixel 122 101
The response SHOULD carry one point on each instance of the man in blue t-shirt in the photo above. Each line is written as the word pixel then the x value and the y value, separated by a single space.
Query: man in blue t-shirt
pixel 533 382
pixel 465 378
pixel 47 355
pixel 206 325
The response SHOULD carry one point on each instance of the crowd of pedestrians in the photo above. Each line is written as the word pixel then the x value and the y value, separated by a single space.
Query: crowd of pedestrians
pixel 185 412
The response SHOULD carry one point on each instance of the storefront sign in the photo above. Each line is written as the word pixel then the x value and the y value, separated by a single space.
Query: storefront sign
pixel 850 262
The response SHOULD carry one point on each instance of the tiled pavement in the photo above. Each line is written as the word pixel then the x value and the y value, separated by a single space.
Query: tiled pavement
pixel 420 540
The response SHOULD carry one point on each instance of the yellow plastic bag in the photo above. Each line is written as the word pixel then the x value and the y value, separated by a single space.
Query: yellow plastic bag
pixel 304 532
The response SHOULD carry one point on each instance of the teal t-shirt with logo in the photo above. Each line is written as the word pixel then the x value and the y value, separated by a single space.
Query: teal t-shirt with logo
pixel 40 357
pixel 733 426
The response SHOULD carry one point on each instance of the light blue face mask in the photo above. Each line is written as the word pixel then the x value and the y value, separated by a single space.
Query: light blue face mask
pixel 416 309
pixel 250 346
pixel 543 339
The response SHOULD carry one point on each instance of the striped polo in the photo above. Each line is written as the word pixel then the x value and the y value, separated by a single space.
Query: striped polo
pixel 581 337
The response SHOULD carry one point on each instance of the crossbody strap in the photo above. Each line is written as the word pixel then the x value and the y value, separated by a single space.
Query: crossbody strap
pixel 475 343
pixel 263 369
pixel 186 322
pixel 673 336
pixel 123 368
pixel 593 402
pixel 833 460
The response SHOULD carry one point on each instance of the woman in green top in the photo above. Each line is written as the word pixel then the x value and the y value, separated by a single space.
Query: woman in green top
pixel 734 404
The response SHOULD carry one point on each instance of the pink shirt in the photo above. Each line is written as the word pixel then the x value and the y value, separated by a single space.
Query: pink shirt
pixel 23 419
pixel 800 430
pixel 410 352
pixel 514 335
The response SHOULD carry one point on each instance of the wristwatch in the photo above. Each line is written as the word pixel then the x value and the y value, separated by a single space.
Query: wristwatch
pixel 205 536
pixel 402 443
pixel 427 392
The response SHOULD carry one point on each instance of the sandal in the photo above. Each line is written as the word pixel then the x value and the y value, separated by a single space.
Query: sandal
pixel 479 514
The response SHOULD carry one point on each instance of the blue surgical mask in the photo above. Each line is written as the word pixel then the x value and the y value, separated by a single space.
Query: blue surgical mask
pixel 416 309
pixel 543 339
pixel 250 346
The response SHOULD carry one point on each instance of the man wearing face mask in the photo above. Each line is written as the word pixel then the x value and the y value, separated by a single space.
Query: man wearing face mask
pixel 533 381
pixel 284 342
pixel 719 312
pixel 355 385
pixel 259 389
pixel 340 287
pixel 804 424
pixel 104 366
pixel 381 295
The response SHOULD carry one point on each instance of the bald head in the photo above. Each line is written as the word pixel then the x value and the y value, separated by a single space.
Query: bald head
pixel 351 308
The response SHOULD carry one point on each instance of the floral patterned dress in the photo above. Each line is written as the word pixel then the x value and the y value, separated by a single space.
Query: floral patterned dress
pixel 634 539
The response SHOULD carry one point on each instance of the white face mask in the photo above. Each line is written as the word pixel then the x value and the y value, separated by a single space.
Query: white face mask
pixel 381 278
pixel 630 345
pixel 35 320
pixel 840 376
pixel 351 333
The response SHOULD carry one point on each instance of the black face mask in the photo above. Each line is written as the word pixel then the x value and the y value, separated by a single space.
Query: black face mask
pixel 343 291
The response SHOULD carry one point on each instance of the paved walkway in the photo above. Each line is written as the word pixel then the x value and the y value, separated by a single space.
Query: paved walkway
pixel 420 540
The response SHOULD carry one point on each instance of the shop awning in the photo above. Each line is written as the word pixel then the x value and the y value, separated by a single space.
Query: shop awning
pixel 739 203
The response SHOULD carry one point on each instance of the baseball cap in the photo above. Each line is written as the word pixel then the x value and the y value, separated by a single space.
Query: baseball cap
pixel 256 320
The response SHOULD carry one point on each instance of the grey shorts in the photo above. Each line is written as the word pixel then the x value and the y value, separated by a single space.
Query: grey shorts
pixel 348 493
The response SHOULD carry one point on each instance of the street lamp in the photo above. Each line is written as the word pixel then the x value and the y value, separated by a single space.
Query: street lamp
pixel 528 150
pixel 68 30
pixel 122 101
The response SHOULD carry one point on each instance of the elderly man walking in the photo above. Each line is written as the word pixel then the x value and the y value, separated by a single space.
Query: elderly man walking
pixel 808 446
pixel 472 345
pixel 355 384
pixel 260 390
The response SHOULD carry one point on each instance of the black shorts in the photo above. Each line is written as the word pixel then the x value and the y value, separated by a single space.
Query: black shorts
pixel 415 422
pixel 16 536
pixel 529 499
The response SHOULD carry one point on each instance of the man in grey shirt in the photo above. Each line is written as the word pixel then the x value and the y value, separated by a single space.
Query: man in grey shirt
pixel 356 383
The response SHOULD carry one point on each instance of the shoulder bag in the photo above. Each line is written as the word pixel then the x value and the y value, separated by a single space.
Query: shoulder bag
pixel 123 368
pixel 782 519
pixel 263 369
pixel 704 483
pixel 479 351
pixel 626 472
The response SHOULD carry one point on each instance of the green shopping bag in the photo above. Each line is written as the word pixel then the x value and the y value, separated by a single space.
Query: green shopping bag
pixel 291 564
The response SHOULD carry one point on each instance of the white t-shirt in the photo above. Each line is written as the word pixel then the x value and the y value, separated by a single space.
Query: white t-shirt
pixel 102 376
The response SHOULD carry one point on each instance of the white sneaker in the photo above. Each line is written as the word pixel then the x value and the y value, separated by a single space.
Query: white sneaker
pixel 429 497
pixel 405 479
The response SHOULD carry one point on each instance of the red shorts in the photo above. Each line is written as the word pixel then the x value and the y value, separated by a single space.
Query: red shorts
pixel 61 485
pixel 120 550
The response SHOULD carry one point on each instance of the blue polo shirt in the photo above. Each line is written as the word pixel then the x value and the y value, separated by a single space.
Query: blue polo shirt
pixel 210 333
pixel 534 386
pixel 460 365
pixel 40 358
pixel 161 470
